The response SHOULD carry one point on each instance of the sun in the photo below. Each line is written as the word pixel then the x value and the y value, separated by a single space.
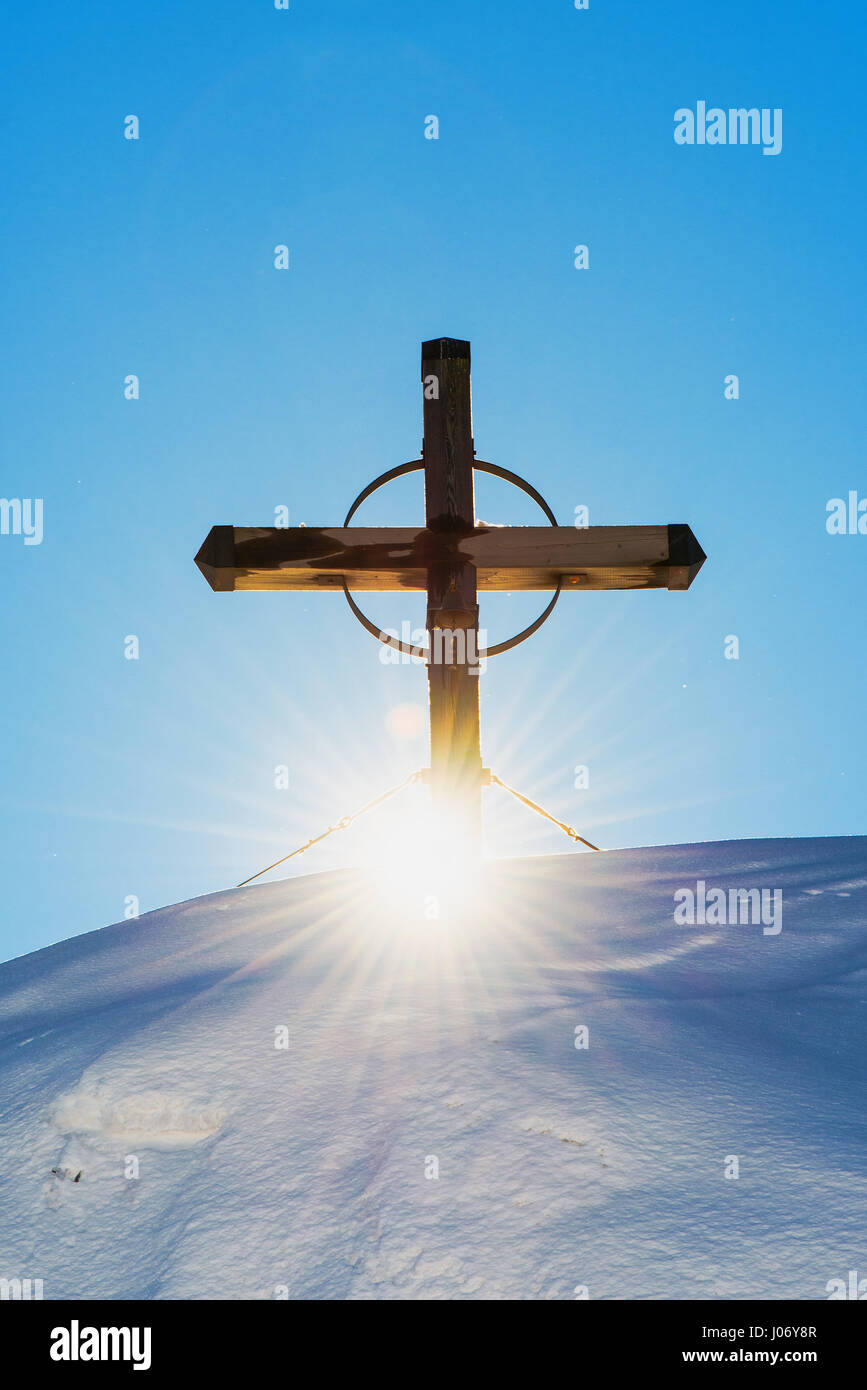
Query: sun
pixel 422 873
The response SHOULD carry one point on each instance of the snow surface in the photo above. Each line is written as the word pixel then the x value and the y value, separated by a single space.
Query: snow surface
pixel 265 1172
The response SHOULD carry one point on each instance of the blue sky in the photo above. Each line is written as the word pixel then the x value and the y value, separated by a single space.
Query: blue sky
pixel 604 387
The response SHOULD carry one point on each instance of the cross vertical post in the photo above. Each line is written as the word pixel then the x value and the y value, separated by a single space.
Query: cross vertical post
pixel 452 602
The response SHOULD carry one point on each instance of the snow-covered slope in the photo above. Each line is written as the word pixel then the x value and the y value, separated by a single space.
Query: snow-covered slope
pixel 417 1046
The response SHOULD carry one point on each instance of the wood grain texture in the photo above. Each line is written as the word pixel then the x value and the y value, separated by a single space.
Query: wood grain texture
pixel 505 558
pixel 452 603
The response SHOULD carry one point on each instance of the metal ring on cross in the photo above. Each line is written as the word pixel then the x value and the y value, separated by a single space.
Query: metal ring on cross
pixel 414 467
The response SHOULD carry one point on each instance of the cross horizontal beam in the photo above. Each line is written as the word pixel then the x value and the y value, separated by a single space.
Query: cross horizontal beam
pixel 400 557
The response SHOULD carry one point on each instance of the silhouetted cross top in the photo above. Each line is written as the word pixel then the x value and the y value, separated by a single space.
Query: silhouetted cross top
pixel 451 557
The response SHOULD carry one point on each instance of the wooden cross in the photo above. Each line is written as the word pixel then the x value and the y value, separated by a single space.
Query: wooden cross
pixel 451 557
